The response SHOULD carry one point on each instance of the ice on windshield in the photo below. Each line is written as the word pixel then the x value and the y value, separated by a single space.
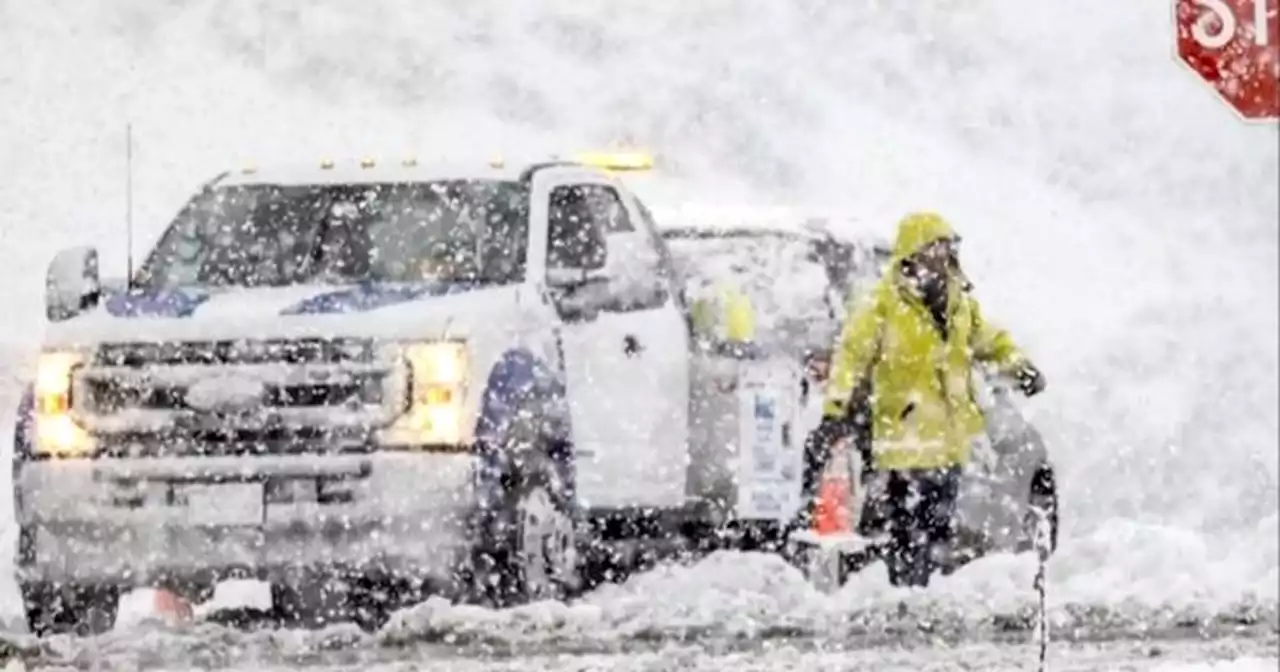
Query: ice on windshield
pixel 262 235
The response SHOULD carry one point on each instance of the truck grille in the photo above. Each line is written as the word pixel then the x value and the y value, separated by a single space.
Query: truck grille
pixel 226 352
pixel 298 390
pixel 113 396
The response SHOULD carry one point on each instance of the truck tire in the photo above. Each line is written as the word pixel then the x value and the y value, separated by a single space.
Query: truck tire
pixel 79 609
pixel 527 536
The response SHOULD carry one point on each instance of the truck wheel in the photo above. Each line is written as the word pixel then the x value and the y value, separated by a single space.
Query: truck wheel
pixel 69 608
pixel 527 544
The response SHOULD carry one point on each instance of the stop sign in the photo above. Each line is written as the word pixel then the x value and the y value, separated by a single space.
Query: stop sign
pixel 1234 45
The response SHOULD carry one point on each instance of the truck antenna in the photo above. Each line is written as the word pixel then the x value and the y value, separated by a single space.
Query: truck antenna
pixel 128 205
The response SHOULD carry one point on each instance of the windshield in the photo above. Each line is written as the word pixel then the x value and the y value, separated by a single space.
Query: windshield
pixel 266 236
pixel 793 300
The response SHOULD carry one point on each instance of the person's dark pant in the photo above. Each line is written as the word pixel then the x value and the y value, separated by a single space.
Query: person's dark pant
pixel 920 506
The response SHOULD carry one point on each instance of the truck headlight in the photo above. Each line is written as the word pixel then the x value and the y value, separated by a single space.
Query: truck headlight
pixel 57 433
pixel 437 390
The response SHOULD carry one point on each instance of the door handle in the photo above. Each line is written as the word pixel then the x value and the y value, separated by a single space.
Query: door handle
pixel 631 346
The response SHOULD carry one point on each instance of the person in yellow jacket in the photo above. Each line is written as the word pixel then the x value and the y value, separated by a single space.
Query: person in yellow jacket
pixel 901 389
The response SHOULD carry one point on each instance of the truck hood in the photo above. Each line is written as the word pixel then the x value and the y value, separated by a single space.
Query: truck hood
pixel 390 311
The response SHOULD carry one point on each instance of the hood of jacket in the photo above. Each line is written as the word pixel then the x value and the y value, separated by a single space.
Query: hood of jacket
pixel 915 232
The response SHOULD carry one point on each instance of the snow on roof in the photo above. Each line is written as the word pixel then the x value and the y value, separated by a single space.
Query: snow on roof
pixel 366 171
pixel 410 169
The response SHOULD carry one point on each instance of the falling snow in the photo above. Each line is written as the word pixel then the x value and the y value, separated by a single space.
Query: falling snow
pixel 1118 220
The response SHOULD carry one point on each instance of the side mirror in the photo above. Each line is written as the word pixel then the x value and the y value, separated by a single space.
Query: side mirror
pixel 71 283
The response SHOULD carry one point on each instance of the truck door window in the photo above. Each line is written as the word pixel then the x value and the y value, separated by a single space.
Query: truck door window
pixel 571 216
pixel 604 204
pixel 666 267
pixel 633 267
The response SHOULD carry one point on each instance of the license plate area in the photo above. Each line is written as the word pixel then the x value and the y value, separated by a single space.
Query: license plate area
pixel 222 504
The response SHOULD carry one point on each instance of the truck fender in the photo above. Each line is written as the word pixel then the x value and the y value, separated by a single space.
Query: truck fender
pixel 524 403
pixel 520 381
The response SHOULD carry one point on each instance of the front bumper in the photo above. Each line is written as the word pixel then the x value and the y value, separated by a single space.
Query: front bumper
pixel 151 520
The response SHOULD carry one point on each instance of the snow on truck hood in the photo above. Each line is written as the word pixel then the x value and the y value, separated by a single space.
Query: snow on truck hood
pixel 391 311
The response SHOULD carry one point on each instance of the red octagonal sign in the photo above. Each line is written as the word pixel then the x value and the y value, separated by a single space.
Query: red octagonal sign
pixel 1234 45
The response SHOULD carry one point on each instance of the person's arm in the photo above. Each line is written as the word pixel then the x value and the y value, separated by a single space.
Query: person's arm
pixel 991 343
pixel 994 345
pixel 858 345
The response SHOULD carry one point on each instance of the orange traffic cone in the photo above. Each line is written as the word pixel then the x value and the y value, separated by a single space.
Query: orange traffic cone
pixel 172 608
pixel 832 542
pixel 835 509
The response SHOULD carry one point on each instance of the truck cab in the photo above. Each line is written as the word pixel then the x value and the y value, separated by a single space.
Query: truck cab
pixel 402 378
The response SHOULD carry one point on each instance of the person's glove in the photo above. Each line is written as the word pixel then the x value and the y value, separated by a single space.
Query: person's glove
pixel 817 449
pixel 1030 380
pixel 831 430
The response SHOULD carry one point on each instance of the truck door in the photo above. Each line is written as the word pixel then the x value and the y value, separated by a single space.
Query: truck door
pixel 626 354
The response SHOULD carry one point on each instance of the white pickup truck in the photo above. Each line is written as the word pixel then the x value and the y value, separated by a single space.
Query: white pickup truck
pixel 370 382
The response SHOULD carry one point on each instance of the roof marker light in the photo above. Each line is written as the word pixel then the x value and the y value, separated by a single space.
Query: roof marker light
pixel 624 160
pixel 327 164
pixel 367 163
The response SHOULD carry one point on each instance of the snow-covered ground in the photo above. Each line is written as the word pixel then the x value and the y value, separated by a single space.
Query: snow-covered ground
pixel 277 651
pixel 1117 218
